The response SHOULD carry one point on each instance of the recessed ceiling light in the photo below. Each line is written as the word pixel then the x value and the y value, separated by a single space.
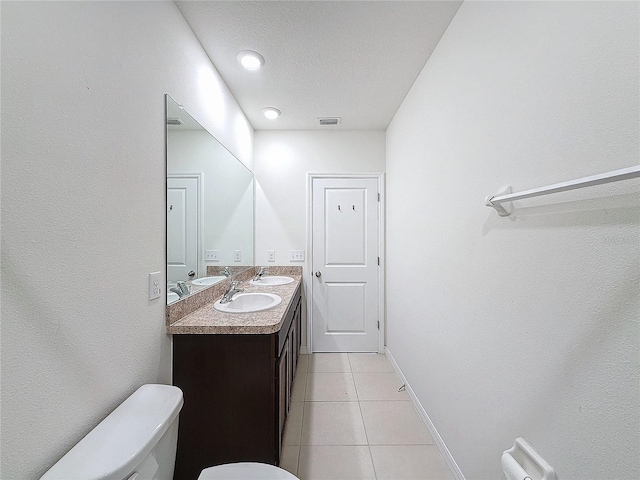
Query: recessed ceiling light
pixel 271 112
pixel 250 60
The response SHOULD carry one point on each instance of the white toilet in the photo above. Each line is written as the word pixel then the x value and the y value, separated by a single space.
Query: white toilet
pixel 138 441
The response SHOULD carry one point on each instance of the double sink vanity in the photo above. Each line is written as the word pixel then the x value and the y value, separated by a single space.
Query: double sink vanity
pixel 235 370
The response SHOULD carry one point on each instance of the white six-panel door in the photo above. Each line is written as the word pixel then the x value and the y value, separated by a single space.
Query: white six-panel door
pixel 345 282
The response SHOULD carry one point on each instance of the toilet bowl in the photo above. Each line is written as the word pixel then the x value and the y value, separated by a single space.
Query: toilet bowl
pixel 138 440
pixel 245 471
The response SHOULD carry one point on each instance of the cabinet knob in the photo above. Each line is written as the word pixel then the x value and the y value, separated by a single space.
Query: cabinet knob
pixel 318 274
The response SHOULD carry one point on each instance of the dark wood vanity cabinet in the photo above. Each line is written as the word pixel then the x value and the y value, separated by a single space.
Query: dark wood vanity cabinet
pixel 237 391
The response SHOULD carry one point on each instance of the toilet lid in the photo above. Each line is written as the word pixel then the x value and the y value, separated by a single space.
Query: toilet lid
pixel 245 471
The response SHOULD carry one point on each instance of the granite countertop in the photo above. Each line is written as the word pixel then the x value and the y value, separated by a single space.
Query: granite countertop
pixel 208 320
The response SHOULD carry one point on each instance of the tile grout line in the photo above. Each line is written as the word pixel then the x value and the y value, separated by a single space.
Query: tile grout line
pixel 304 401
pixel 366 436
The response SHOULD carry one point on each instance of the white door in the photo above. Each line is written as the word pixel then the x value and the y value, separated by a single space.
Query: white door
pixel 345 283
pixel 182 227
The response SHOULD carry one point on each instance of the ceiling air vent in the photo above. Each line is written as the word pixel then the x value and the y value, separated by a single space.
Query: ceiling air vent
pixel 174 121
pixel 329 120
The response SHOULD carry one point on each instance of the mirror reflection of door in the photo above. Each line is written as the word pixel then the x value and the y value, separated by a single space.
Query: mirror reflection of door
pixel 224 207
pixel 182 226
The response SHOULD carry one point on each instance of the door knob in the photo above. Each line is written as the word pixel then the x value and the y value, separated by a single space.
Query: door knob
pixel 191 274
pixel 318 274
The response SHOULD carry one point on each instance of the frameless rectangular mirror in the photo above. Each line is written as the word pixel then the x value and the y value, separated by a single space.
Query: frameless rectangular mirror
pixel 209 207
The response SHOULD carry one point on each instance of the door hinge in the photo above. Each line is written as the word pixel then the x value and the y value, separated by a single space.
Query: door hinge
pixel 378 261
pixel 378 197
pixel 378 324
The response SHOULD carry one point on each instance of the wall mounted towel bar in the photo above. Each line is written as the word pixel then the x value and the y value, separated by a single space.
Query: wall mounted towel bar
pixel 502 201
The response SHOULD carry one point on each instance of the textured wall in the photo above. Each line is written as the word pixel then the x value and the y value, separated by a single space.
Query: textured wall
pixel 528 325
pixel 83 213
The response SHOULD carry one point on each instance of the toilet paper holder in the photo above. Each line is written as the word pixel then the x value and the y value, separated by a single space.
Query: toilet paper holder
pixel 522 462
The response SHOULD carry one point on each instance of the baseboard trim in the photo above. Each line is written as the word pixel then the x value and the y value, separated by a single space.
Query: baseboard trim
pixel 442 447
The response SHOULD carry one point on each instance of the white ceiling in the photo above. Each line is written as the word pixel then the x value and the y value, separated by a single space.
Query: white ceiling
pixel 351 59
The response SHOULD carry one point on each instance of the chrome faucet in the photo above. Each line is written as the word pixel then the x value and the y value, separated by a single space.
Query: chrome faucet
pixel 260 273
pixel 179 291
pixel 231 291
pixel 183 286
pixel 227 272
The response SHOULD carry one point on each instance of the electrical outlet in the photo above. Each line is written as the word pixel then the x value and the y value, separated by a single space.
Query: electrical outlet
pixel 271 255
pixel 237 255
pixel 212 255
pixel 296 255
pixel 155 285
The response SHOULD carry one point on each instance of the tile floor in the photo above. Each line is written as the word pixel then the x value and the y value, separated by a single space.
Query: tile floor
pixel 348 422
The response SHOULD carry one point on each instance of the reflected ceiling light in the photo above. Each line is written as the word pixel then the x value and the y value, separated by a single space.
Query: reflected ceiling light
pixel 250 60
pixel 271 112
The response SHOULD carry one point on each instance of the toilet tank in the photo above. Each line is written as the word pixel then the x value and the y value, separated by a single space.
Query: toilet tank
pixel 137 441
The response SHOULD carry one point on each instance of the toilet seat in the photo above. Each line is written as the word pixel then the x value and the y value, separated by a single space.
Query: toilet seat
pixel 245 471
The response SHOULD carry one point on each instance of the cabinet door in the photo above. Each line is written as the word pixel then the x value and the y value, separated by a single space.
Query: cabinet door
pixel 297 336
pixel 295 348
pixel 283 389
pixel 289 348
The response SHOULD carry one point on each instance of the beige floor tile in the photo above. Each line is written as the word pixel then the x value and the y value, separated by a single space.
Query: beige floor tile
pixel 335 463
pixel 409 462
pixel 330 387
pixel 379 386
pixel 393 423
pixel 329 362
pixel 370 362
pixel 303 363
pixel 299 386
pixel 289 458
pixel 293 425
pixel 332 423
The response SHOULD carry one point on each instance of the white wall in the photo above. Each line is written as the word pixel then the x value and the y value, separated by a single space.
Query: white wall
pixel 83 208
pixel 523 326
pixel 282 160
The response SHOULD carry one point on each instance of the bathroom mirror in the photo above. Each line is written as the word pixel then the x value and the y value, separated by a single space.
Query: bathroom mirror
pixel 209 207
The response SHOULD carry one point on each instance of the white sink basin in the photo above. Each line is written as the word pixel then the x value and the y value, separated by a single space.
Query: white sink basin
pixel 172 297
pixel 249 302
pixel 272 281
pixel 208 280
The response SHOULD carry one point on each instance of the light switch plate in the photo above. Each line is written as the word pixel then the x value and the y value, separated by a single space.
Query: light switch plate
pixel 271 255
pixel 212 255
pixel 296 255
pixel 237 255
pixel 155 285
